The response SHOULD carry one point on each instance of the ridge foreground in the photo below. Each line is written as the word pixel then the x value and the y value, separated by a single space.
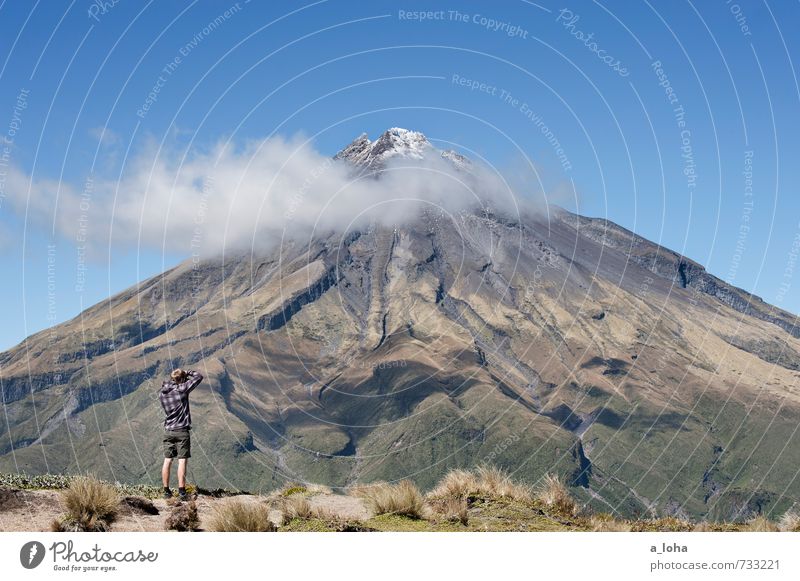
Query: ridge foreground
pixel 550 343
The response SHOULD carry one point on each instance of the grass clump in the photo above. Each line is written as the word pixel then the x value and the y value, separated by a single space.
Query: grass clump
pixel 703 527
pixel 760 524
pixel 456 484
pixel 296 507
pixel 553 493
pixel 236 515
pixel 484 482
pixel 605 523
pixel 496 483
pixel 298 514
pixel 183 518
pixel 91 506
pixel 667 524
pixel 453 510
pixel 790 522
pixel 402 499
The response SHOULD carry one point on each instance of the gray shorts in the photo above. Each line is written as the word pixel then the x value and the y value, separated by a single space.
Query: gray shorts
pixel 177 444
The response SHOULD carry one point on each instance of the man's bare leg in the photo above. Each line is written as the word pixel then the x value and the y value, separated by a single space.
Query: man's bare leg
pixel 182 473
pixel 165 471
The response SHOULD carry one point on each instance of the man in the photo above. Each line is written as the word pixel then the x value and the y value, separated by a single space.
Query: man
pixel 174 396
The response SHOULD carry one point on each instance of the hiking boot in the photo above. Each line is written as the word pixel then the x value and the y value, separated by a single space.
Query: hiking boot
pixel 167 495
pixel 186 496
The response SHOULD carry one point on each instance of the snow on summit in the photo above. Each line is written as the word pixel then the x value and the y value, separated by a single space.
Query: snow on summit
pixel 394 142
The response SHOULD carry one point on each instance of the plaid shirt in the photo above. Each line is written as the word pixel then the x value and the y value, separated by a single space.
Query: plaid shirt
pixel 175 401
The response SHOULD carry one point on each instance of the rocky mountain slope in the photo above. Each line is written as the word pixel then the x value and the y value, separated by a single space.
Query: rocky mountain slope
pixel 552 342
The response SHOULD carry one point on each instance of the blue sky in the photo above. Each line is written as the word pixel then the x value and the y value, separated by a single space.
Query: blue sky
pixel 717 182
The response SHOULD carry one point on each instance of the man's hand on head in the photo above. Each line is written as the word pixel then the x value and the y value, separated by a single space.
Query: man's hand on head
pixel 193 378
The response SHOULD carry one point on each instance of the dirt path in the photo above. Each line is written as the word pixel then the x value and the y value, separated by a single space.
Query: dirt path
pixel 348 507
pixel 28 510
pixel 35 510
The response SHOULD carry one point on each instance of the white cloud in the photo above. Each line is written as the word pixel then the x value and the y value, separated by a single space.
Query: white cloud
pixel 237 197
pixel 105 136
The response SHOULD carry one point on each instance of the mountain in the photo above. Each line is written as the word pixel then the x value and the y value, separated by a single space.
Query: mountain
pixel 553 342
pixel 371 156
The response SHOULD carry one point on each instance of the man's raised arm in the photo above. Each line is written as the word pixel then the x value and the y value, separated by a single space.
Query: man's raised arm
pixel 193 380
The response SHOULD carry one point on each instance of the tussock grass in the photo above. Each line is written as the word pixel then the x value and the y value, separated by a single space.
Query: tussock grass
pixel 607 523
pixel 667 524
pixel 403 499
pixel 760 524
pixel 496 483
pixel 702 527
pixel 456 484
pixel 183 518
pixel 553 493
pixel 484 482
pixel 452 509
pixel 790 522
pixel 294 507
pixel 91 506
pixel 297 508
pixel 236 515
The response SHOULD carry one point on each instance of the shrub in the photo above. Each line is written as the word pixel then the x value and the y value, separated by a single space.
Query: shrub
pixel 293 488
pixel 296 489
pixel 403 499
pixel 554 494
pixel 236 515
pixel 183 517
pixel 143 490
pixel 62 481
pixel 91 506
pixel 28 482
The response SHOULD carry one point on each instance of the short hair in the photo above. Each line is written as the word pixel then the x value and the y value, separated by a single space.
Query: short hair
pixel 177 375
